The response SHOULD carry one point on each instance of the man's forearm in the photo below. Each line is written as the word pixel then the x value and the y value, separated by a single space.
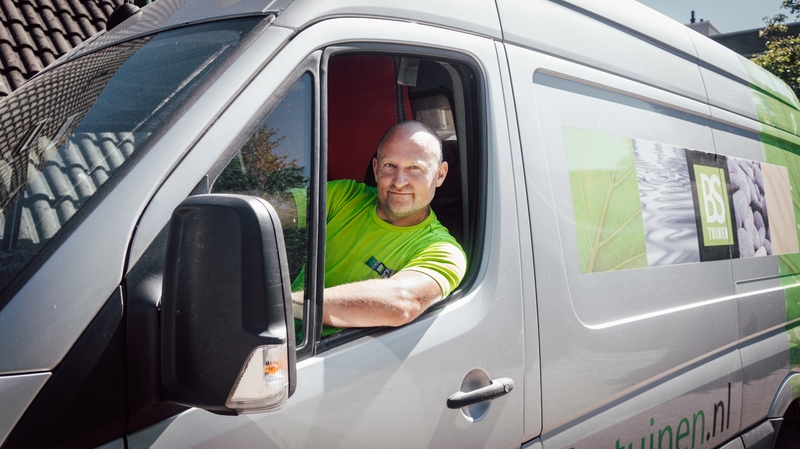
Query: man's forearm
pixel 380 302
pixel 375 302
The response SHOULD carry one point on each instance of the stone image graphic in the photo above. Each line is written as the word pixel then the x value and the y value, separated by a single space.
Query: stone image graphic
pixel 750 208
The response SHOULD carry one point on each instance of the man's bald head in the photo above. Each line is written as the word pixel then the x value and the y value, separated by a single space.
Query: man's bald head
pixel 408 168
pixel 419 131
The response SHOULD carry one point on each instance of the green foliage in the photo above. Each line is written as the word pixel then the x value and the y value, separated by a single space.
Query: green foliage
pixel 782 57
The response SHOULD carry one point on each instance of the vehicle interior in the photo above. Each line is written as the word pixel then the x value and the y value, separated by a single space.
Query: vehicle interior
pixel 364 93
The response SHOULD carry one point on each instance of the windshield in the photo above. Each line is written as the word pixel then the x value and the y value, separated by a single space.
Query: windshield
pixel 66 133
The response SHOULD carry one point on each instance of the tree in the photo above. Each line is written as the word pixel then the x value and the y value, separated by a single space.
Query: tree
pixel 257 168
pixel 782 57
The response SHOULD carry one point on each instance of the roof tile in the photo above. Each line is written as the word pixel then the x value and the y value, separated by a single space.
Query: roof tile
pixel 32 16
pixel 20 36
pixel 41 41
pixel 32 63
pixel 62 6
pixel 96 14
pixel 11 11
pixel 34 33
pixel 86 26
pixel 45 4
pixel 5 36
pixel 4 87
pixel 47 57
pixel 15 78
pixel 78 9
pixel 60 41
pixel 9 57
pixel 51 22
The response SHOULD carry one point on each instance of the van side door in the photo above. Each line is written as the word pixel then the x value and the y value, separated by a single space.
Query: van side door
pixel 637 313
pixel 386 387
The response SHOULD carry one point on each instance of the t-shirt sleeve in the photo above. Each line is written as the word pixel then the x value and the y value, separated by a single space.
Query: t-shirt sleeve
pixel 444 262
pixel 339 193
pixel 300 196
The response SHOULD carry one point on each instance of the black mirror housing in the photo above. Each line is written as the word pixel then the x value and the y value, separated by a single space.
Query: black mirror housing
pixel 225 295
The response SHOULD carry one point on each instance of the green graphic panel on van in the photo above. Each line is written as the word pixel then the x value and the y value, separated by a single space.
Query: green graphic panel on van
pixel 776 106
pixel 789 266
pixel 605 197
pixel 642 204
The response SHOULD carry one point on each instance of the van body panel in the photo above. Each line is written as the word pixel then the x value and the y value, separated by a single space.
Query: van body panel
pixel 119 443
pixel 602 44
pixel 764 346
pixel 725 77
pixel 63 296
pixel 785 396
pixel 736 135
pixel 165 14
pixel 16 393
pixel 619 332
pixel 766 361
pixel 694 410
pixel 533 389
pixel 729 93
pixel 474 17
pixel 734 444
pixel 606 283
pixel 641 19
pixel 345 391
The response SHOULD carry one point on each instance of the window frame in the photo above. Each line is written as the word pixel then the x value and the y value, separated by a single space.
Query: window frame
pixel 475 139
pixel 316 190
pixel 475 134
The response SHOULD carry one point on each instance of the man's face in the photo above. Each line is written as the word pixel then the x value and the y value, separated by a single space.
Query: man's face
pixel 407 172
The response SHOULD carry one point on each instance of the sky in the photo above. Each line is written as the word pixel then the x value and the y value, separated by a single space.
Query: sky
pixel 727 16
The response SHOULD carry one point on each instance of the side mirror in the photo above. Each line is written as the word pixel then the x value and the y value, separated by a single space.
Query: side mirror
pixel 227 333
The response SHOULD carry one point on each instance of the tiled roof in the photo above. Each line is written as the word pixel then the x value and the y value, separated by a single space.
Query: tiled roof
pixel 34 33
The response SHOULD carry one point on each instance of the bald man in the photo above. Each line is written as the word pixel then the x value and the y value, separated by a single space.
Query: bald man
pixel 388 258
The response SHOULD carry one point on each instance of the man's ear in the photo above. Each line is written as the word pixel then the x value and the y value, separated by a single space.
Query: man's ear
pixel 441 174
pixel 375 167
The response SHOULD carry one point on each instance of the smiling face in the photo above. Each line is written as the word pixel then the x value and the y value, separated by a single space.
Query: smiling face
pixel 407 173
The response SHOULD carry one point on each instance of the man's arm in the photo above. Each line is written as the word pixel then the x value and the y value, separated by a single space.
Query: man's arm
pixel 380 302
pixel 376 302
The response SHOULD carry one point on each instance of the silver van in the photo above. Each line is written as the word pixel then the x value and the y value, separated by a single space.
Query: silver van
pixel 626 190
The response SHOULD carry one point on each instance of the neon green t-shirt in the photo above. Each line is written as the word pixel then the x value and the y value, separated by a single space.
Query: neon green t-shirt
pixel 360 245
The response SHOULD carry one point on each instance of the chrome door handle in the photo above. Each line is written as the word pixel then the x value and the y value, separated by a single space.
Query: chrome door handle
pixel 498 387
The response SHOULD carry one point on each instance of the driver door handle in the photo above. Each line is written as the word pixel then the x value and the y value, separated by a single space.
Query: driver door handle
pixel 498 387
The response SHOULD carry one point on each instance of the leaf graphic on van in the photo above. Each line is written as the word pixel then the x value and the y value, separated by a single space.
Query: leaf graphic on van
pixel 605 197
